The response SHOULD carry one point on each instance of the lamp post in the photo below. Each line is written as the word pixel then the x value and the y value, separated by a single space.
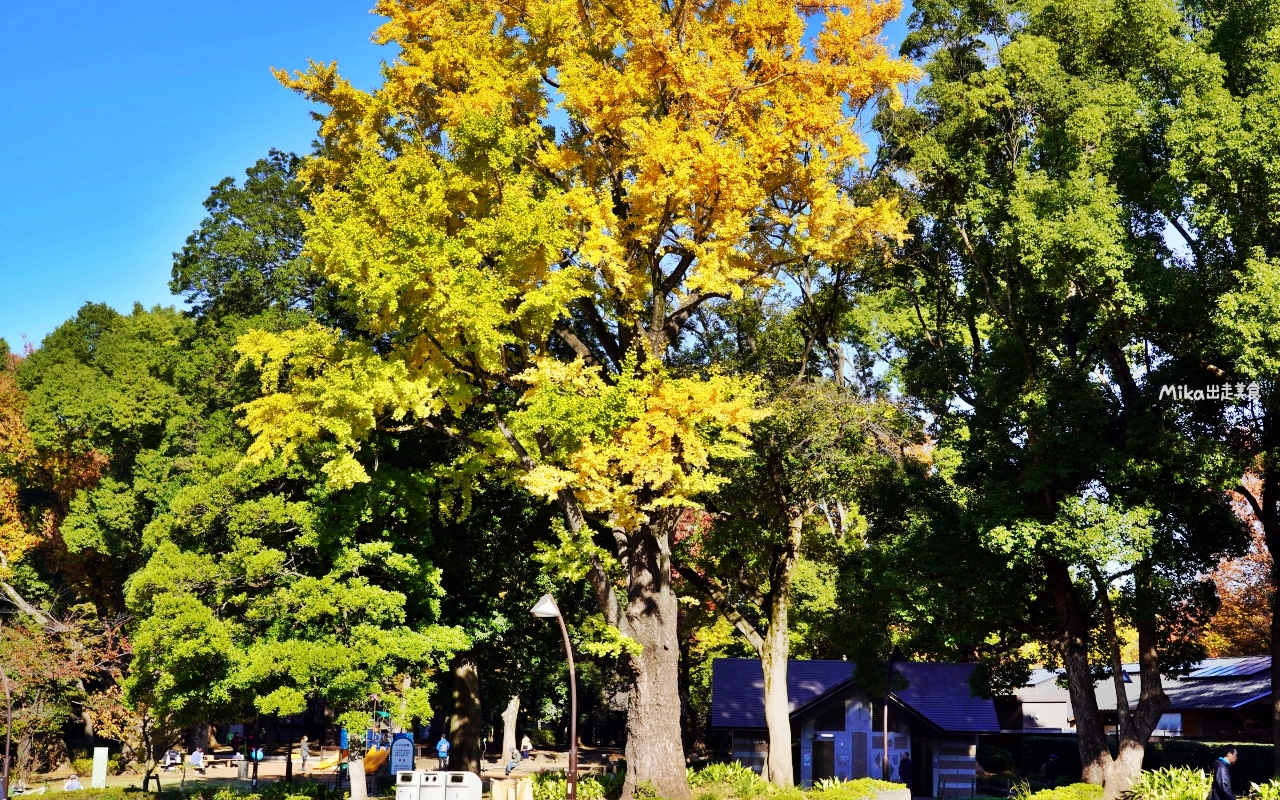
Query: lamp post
pixel 895 655
pixel 547 608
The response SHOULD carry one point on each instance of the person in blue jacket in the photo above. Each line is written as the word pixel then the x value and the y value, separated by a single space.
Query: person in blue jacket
pixel 1221 789
pixel 442 753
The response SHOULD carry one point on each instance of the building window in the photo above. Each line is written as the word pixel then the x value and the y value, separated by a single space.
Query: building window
pixel 831 720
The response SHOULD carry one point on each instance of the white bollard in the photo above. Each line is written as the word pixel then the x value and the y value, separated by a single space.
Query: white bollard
pixel 99 779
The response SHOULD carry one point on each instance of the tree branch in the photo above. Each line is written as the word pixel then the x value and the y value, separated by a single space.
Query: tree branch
pixel 717 595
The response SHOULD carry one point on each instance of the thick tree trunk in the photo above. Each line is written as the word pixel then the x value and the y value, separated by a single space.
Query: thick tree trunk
pixel 1073 647
pixel 654 753
pixel 509 717
pixel 467 726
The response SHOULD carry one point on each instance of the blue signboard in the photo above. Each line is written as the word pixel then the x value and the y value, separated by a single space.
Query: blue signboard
pixel 401 759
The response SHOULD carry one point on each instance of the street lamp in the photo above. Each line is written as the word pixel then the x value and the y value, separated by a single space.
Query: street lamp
pixel 547 608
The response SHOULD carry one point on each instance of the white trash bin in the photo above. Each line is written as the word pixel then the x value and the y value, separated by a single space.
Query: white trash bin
pixel 462 786
pixel 433 784
pixel 409 785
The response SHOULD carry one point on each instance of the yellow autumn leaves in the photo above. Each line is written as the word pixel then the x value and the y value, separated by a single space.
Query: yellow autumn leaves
pixel 520 221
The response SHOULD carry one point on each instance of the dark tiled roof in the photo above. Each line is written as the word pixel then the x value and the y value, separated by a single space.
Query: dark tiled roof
pixel 938 692
pixel 1186 695
pixel 737 688
pixel 1231 667
pixel 941 694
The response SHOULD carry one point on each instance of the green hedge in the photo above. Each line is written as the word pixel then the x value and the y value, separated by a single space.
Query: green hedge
pixel 298 790
pixel 1255 764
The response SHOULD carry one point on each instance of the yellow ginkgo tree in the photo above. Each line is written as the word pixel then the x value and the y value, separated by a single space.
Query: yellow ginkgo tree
pixel 519 224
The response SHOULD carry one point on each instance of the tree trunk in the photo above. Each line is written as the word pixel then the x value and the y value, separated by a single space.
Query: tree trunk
pixel 509 717
pixel 654 753
pixel 775 650
pixel 1073 647
pixel 398 724
pixel 777 714
pixel 467 726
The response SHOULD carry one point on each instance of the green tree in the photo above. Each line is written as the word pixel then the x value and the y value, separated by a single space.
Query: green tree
pixel 1221 313
pixel 1034 161
pixel 247 254
pixel 542 279
pixel 808 458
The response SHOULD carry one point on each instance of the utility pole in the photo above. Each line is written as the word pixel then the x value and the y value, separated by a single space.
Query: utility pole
pixel 8 732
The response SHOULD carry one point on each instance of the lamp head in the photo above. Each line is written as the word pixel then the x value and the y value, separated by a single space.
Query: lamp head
pixel 546 607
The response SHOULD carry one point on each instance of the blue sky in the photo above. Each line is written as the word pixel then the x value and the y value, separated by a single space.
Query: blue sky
pixel 119 115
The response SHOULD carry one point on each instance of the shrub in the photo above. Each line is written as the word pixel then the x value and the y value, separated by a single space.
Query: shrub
pixel 732 779
pixel 860 789
pixel 1172 783
pixel 995 759
pixel 1266 791
pixel 1072 791
pixel 1254 765
pixel 542 738
pixel 551 786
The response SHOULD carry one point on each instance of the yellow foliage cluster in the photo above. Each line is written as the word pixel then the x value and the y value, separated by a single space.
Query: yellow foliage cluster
pixel 630 446
pixel 535 202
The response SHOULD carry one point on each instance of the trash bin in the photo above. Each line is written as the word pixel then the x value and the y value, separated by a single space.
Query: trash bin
pixel 408 785
pixel 242 770
pixel 432 785
pixel 461 786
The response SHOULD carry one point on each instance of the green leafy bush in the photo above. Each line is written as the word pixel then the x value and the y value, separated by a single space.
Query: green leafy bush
pixel 995 759
pixel 551 786
pixel 860 789
pixel 542 738
pixel 1172 783
pixel 730 780
pixel 1265 791
pixel 1072 791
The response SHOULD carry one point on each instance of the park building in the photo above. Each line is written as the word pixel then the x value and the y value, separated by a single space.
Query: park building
pixel 837 727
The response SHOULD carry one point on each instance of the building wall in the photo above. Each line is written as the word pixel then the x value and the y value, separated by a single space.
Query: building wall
pixel 749 748
pixel 855 752
pixel 956 758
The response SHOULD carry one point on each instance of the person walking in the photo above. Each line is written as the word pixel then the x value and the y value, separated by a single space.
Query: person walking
pixel 904 770
pixel 525 746
pixel 442 753
pixel 304 750
pixel 1221 788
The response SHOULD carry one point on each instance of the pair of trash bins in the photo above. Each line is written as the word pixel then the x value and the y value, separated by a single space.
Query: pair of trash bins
pixel 423 785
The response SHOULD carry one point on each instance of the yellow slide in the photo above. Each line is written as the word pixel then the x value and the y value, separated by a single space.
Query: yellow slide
pixel 375 758
pixel 328 763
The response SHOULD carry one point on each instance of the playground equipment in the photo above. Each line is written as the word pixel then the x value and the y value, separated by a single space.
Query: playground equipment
pixel 373 759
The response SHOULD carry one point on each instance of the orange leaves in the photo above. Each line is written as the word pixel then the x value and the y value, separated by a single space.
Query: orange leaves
pixel 58 474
